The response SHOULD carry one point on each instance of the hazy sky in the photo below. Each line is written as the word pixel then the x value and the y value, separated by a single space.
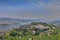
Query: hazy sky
pixel 31 9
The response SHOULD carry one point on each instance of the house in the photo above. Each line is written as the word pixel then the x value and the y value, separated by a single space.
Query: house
pixel 42 28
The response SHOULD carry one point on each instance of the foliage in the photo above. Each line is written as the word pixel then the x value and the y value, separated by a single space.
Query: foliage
pixel 25 34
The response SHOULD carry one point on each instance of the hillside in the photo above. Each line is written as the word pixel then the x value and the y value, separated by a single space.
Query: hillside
pixel 33 31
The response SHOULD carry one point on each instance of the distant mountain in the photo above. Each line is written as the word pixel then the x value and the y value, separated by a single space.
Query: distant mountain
pixel 10 20
pixel 6 20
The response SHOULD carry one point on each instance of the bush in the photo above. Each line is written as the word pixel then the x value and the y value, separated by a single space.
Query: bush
pixel 14 33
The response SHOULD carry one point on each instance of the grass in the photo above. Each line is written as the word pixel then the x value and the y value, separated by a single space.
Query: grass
pixel 27 37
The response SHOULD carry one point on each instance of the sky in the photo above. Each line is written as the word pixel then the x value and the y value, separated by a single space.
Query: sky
pixel 30 9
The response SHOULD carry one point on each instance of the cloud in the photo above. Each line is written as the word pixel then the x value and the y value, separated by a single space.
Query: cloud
pixel 54 8
pixel 43 9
